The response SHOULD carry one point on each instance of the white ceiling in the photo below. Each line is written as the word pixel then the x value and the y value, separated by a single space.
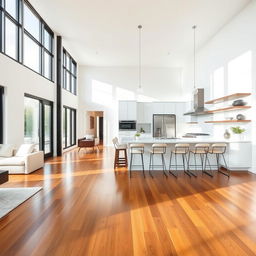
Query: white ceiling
pixel 104 32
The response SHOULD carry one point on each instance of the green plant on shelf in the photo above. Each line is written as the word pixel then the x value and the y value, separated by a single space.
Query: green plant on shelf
pixel 137 134
pixel 237 130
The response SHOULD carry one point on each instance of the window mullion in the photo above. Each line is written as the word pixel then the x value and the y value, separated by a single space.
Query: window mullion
pixel 2 31
pixel 21 36
pixel 41 57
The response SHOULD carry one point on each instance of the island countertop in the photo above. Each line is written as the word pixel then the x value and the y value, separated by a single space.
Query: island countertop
pixel 236 155
pixel 151 140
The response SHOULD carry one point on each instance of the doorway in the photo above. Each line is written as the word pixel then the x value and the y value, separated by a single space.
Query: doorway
pixel 95 125
pixel 38 123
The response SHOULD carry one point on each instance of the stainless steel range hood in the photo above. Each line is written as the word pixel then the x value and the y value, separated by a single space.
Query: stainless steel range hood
pixel 198 103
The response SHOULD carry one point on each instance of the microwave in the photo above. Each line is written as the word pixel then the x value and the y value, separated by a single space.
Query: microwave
pixel 127 125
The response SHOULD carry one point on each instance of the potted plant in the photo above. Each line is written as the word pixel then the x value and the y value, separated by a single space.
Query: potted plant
pixel 142 130
pixel 238 131
pixel 137 136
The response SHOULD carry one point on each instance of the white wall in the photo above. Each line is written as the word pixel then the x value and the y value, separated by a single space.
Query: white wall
pixel 18 80
pixel 227 64
pixel 102 87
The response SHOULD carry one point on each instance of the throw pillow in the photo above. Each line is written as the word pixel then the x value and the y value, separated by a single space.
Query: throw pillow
pixel 6 150
pixel 25 149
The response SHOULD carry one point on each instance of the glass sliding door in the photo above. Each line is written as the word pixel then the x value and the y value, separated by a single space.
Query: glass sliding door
pixel 64 128
pixel 73 128
pixel 38 123
pixel 32 121
pixel 47 129
pixel 68 137
pixel 69 127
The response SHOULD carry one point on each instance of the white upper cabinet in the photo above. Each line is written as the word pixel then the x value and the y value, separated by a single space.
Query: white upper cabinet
pixel 122 110
pixel 140 112
pixel 148 112
pixel 127 110
pixel 144 112
pixel 131 110
pixel 169 108
pixel 158 107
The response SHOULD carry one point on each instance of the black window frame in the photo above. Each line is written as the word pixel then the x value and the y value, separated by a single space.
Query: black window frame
pixel 1 115
pixel 22 32
pixel 71 126
pixel 69 70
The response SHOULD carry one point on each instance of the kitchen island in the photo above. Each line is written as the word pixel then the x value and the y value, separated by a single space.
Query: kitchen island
pixel 237 156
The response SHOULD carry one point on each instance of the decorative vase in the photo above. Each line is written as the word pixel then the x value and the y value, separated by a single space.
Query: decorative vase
pixel 227 134
pixel 136 137
pixel 239 103
pixel 238 136
pixel 240 117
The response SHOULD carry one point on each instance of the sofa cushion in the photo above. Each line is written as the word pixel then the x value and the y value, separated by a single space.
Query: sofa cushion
pixel 17 161
pixel 6 150
pixel 13 169
pixel 25 149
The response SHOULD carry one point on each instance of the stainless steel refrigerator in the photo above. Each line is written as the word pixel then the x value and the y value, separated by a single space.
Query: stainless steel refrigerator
pixel 164 126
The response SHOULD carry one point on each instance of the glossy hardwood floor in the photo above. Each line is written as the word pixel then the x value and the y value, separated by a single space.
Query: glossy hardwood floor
pixel 87 209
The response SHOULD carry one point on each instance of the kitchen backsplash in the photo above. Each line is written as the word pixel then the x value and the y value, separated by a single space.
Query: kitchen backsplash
pixel 145 127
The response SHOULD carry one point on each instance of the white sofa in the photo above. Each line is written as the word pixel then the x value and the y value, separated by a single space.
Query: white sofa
pixel 18 162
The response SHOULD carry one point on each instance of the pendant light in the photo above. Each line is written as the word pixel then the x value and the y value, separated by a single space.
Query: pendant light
pixel 194 28
pixel 140 90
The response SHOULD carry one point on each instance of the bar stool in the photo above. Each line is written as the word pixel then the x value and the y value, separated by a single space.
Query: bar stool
pixel 182 150
pixel 157 149
pixel 120 161
pixel 219 149
pixel 137 149
pixel 202 151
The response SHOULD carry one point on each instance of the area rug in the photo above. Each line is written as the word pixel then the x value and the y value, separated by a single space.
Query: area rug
pixel 10 198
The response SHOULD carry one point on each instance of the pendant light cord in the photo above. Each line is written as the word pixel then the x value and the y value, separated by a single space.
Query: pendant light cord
pixel 139 27
pixel 194 28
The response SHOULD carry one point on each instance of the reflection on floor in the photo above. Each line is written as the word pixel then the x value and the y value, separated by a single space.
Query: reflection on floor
pixel 85 208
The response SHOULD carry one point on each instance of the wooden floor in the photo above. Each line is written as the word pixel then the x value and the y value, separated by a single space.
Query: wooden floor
pixel 87 209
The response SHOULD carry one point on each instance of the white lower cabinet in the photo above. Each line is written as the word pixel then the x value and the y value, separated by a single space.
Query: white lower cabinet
pixel 238 156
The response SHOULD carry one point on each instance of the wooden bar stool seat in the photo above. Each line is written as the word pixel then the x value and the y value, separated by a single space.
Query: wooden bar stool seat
pixel 120 160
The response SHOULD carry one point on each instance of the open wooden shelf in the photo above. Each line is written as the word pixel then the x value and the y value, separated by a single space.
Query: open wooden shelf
pixel 227 121
pixel 228 109
pixel 192 122
pixel 228 97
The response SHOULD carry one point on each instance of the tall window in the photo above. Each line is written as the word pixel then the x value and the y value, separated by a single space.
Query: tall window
pixel 69 127
pixel 1 114
pixel 25 37
pixel 69 72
